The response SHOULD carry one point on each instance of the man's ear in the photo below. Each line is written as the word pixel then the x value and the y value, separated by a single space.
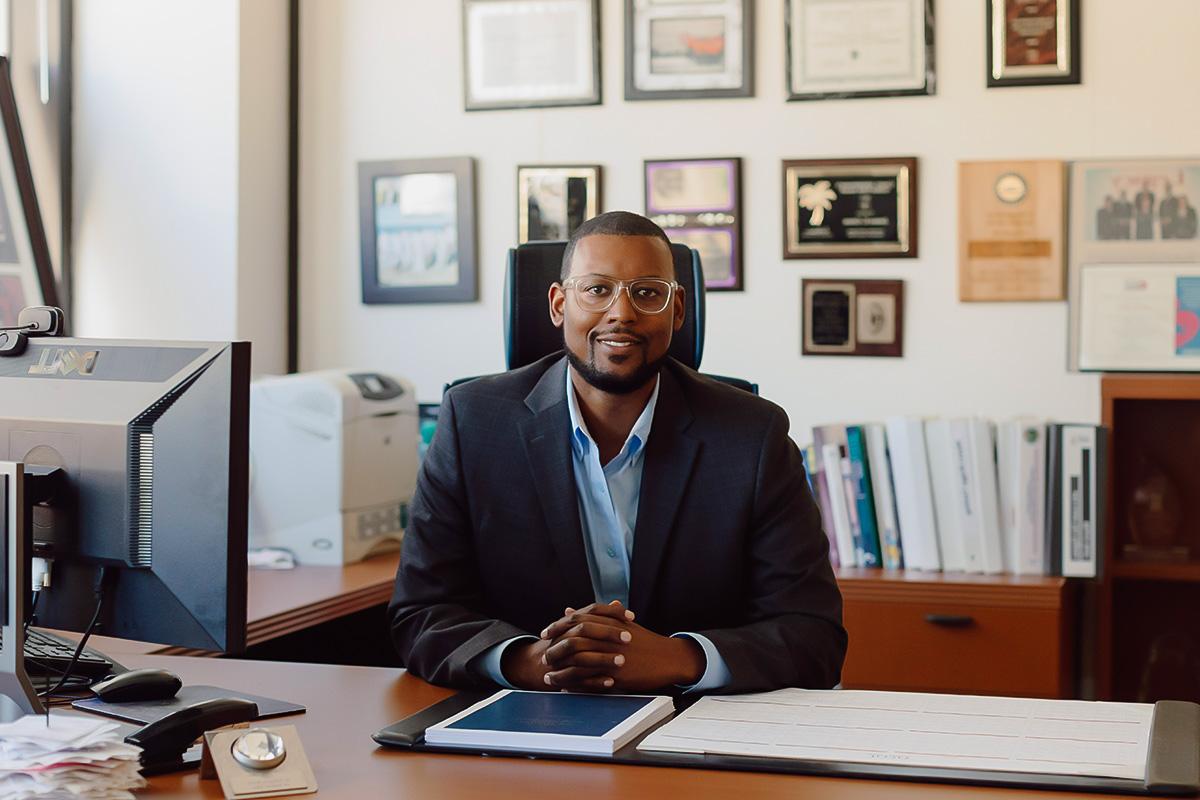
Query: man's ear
pixel 680 304
pixel 558 301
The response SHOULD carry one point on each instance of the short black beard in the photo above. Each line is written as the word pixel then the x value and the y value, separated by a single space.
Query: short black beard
pixel 613 384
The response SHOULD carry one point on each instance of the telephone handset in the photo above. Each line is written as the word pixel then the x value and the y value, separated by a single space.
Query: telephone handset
pixel 164 741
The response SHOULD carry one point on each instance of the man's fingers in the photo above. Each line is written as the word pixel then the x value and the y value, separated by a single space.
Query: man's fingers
pixel 562 650
pixel 562 626
pixel 592 659
pixel 575 677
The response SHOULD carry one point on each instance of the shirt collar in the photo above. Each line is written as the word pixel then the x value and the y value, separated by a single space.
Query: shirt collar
pixel 581 437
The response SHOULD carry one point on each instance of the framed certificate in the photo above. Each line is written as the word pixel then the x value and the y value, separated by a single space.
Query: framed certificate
pixel 688 49
pixel 1135 215
pixel 417 230
pixel 850 208
pixel 698 202
pixel 1033 42
pixel 26 278
pixel 1140 317
pixel 859 48
pixel 552 201
pixel 1011 231
pixel 852 318
pixel 531 53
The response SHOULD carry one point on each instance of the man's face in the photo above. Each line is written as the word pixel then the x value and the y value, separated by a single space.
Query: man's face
pixel 621 349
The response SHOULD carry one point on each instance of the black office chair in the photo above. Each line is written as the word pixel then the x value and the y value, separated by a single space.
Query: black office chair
pixel 529 334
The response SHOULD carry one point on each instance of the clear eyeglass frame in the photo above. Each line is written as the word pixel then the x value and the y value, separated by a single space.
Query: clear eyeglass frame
pixel 598 303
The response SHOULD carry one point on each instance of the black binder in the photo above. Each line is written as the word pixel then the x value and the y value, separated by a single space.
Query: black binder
pixel 1172 766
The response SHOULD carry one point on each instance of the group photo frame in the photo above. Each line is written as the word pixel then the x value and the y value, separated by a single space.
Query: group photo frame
pixel 530 53
pixel 681 49
pixel 698 202
pixel 554 200
pixel 859 48
pixel 417 230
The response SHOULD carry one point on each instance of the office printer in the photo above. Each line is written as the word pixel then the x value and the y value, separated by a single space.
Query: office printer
pixel 333 463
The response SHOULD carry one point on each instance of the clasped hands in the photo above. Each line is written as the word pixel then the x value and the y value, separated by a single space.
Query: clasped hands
pixel 600 648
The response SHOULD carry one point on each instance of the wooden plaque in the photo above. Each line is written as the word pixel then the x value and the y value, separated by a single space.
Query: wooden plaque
pixel 1011 231
pixel 852 318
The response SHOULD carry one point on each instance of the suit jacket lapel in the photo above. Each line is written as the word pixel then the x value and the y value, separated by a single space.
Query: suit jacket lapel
pixel 670 456
pixel 547 438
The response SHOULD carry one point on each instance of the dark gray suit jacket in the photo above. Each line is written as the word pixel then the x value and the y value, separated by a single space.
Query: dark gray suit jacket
pixel 728 540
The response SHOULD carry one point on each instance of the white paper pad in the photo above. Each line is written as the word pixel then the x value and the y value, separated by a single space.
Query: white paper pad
pixel 1057 737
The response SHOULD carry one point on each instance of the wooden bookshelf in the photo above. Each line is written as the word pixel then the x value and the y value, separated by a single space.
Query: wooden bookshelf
pixel 1148 639
pixel 958 632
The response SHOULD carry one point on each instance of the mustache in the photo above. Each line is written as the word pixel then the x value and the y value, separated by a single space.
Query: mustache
pixel 618 331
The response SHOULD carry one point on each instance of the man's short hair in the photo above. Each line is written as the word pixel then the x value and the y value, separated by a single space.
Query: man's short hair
pixel 611 223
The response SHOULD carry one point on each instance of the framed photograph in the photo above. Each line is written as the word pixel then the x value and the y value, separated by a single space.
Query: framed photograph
pixel 1033 42
pixel 531 53
pixel 852 318
pixel 1011 231
pixel 26 276
pixel 850 208
pixel 688 49
pixel 698 202
pixel 1135 215
pixel 417 230
pixel 552 201
pixel 859 48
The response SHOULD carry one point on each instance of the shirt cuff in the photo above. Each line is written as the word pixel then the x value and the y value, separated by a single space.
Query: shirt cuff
pixel 716 671
pixel 489 660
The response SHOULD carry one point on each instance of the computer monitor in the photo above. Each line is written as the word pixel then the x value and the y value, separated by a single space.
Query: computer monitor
pixel 151 443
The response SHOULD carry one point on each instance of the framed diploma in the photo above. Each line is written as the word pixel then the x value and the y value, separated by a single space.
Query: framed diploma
pixel 859 48
pixel 1140 317
pixel 1011 231
pixel 26 277
pixel 1138 215
pixel 553 201
pixel 1033 42
pixel 689 49
pixel 530 53
pixel 850 208
pixel 852 318
pixel 698 202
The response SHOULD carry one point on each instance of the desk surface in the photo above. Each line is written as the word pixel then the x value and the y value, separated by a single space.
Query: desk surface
pixel 348 704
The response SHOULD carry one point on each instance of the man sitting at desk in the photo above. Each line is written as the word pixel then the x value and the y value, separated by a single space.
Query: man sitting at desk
pixel 610 520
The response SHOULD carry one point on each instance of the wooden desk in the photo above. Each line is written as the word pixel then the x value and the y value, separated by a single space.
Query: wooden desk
pixel 347 704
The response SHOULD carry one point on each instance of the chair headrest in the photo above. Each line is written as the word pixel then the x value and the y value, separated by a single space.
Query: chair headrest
pixel 528 332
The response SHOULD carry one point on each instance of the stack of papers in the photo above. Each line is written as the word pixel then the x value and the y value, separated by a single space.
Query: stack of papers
pixel 71 757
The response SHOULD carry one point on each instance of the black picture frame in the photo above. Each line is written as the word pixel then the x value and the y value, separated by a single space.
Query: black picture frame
pixel 421 233
pixel 927 85
pixel 706 224
pixel 852 317
pixel 1068 45
pixel 635 92
pixel 592 177
pixel 21 224
pixel 591 97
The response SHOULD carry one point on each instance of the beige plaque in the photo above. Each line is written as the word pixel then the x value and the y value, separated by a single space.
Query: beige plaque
pixel 1011 231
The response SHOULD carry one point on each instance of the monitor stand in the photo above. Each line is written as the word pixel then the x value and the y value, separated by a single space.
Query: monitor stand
pixel 17 695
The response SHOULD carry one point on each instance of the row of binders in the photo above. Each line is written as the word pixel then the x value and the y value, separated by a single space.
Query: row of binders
pixel 961 495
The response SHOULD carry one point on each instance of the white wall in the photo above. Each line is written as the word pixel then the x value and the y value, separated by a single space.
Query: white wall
pixel 180 171
pixel 381 79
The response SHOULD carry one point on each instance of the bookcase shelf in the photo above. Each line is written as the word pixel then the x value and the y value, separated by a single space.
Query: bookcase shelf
pixel 1147 639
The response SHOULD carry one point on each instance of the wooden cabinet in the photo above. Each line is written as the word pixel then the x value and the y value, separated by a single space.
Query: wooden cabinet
pixel 953 632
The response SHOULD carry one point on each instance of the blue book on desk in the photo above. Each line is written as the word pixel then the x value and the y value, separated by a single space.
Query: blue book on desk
pixel 551 722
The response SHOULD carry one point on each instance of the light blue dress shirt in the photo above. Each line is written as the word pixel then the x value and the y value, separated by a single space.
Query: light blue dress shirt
pixel 608 505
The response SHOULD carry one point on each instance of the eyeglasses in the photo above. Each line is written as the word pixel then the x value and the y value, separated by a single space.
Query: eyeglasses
pixel 596 293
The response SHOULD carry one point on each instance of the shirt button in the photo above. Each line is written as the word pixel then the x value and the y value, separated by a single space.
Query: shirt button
pixel 612 553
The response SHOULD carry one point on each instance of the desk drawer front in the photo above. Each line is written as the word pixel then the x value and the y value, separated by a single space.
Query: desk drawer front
pixel 946 647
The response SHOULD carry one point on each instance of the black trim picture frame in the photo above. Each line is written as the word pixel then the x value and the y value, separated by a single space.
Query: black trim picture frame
pixel 698 202
pixel 555 199
pixel 689 50
pixel 1049 52
pixel 852 58
pixel 566 47
pixel 852 317
pixel 417 230
pixel 26 274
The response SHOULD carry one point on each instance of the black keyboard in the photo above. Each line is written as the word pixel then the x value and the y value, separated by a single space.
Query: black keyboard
pixel 49 656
